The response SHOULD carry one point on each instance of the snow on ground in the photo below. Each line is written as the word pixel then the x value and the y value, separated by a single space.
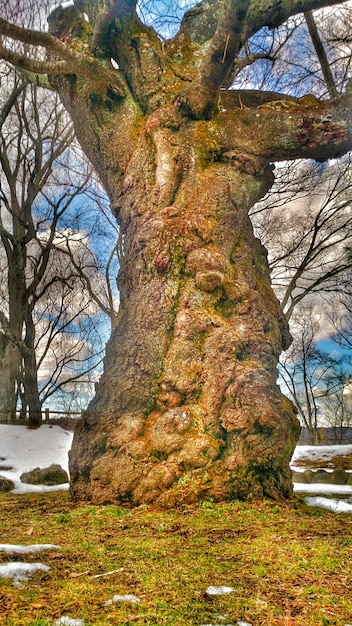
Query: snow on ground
pixel 319 488
pixel 20 571
pixel 68 621
pixel 9 548
pixel 219 591
pixel 336 506
pixel 127 597
pixel 325 453
pixel 23 449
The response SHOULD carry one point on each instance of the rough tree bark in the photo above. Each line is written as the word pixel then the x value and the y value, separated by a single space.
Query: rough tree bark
pixel 188 406
pixel 9 363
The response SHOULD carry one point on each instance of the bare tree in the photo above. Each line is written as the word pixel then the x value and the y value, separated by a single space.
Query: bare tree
pixel 189 389
pixel 49 325
pixel 316 380
pixel 306 224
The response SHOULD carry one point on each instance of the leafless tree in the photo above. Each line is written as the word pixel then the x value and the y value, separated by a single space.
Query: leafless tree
pixel 306 224
pixel 48 322
pixel 316 380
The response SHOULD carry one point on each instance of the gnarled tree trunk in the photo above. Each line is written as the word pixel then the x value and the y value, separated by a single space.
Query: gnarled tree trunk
pixel 188 406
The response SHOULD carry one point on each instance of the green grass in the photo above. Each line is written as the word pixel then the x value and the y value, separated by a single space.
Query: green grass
pixel 289 565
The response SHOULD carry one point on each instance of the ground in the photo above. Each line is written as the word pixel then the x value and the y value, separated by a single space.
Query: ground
pixel 288 565
pixel 283 564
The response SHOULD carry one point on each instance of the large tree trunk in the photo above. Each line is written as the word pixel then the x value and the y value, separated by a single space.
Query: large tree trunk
pixel 188 406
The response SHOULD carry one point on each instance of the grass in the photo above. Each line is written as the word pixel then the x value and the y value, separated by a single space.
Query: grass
pixel 289 565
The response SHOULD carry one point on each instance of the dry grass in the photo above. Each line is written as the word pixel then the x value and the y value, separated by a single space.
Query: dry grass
pixel 289 565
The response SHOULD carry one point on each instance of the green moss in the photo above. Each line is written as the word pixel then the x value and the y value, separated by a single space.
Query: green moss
pixel 224 305
pixel 206 146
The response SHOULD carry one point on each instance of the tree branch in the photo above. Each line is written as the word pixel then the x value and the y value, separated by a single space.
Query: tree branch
pixel 218 59
pixel 273 13
pixel 31 65
pixel 215 32
pixel 250 98
pixel 94 71
pixel 289 129
pixel 321 54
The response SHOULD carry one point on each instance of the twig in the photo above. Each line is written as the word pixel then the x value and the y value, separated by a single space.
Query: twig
pixel 114 571
pixel 226 46
pixel 74 575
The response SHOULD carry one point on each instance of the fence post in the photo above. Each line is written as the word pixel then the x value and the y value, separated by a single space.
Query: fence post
pixel 47 415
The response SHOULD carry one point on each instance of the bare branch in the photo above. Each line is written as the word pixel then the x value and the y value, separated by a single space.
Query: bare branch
pixel 323 60
pixel 31 65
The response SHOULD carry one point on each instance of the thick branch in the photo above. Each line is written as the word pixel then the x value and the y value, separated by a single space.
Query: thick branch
pixel 250 98
pixel 31 65
pixel 218 59
pixel 273 13
pixel 289 129
pixel 97 74
pixel 214 33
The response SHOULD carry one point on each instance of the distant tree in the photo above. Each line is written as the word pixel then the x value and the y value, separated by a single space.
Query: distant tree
pixel 316 380
pixel 306 224
pixel 50 334
pixel 337 405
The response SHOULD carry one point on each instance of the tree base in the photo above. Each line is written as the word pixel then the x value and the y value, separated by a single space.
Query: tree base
pixel 172 459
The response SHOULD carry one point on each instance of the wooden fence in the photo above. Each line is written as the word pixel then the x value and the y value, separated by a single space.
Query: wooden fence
pixel 47 415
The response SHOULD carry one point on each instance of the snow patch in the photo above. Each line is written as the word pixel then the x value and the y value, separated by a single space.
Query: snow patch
pixel 9 548
pixel 26 488
pixel 24 449
pixel 323 453
pixel 128 597
pixel 343 490
pixel 336 506
pixel 68 621
pixel 219 591
pixel 20 571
